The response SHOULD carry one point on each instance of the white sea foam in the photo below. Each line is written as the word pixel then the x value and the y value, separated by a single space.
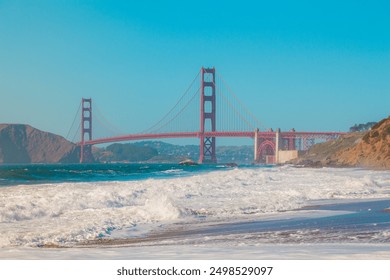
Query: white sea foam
pixel 73 212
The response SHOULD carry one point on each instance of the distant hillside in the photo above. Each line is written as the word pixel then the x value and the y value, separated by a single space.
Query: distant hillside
pixel 21 143
pixel 161 152
pixel 175 153
pixel 124 153
pixel 361 149
pixel 169 152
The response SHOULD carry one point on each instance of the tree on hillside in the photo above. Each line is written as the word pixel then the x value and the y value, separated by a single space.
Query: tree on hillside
pixel 362 127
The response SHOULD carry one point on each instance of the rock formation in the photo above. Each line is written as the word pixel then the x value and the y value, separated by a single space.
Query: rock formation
pixel 373 150
pixel 362 149
pixel 21 143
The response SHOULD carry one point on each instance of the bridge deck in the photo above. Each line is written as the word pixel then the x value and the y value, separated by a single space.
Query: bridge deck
pixel 248 134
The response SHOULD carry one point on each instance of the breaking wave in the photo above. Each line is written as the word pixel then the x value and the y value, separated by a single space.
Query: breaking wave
pixel 72 212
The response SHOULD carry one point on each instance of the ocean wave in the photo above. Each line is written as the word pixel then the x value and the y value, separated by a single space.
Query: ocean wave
pixel 169 171
pixel 64 213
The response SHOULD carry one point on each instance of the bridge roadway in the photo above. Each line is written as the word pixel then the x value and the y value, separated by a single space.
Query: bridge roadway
pixel 248 134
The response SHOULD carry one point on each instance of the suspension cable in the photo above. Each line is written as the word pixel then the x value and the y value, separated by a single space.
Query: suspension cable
pixel 178 113
pixel 77 131
pixel 108 125
pixel 173 108
pixel 242 105
pixel 232 106
pixel 74 120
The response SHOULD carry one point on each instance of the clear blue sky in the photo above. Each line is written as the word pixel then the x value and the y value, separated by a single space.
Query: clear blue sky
pixel 311 65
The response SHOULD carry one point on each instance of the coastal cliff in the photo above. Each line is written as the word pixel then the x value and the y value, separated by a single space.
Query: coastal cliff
pixel 369 149
pixel 21 143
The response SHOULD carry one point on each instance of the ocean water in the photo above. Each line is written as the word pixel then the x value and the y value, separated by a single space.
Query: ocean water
pixel 51 173
pixel 165 204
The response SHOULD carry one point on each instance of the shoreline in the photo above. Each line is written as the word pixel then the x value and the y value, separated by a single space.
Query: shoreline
pixel 286 235
pixel 275 209
pixel 316 223
pixel 319 251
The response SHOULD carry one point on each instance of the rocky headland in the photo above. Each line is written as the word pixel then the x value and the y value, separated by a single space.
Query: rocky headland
pixel 20 143
pixel 370 149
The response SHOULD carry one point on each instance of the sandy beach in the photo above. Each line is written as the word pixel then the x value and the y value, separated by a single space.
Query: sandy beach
pixel 348 230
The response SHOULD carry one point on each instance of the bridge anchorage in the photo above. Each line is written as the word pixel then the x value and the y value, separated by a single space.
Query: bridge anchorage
pixel 221 115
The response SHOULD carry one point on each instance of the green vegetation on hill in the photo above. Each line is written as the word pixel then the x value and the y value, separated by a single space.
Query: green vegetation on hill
pixel 176 153
pixel 125 152
pixel 362 127
pixel 161 152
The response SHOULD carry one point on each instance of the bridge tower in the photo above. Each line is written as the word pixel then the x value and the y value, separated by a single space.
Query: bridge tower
pixel 207 115
pixel 86 130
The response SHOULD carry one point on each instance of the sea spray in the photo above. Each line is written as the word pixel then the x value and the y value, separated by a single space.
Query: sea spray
pixel 72 212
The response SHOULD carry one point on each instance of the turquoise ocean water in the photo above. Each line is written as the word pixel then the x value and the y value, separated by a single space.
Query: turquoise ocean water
pixel 68 205
pixel 56 173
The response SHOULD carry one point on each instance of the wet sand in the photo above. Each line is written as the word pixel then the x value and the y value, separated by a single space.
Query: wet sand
pixel 354 230
pixel 354 222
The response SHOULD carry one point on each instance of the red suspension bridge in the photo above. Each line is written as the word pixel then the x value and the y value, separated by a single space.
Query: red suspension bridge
pixel 221 114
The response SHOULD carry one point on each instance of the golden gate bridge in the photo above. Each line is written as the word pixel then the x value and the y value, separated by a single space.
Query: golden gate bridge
pixel 207 110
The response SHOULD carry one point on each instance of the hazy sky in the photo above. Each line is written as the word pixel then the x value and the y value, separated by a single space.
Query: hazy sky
pixel 311 65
